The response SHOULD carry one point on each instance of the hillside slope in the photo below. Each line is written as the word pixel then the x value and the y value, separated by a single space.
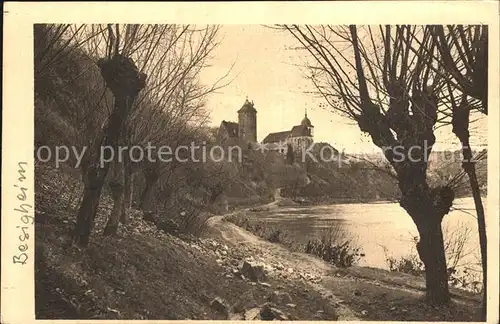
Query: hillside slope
pixel 144 273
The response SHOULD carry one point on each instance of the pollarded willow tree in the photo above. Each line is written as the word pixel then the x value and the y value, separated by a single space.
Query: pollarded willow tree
pixel 140 85
pixel 172 110
pixel 139 63
pixel 125 80
pixel 463 58
pixel 371 75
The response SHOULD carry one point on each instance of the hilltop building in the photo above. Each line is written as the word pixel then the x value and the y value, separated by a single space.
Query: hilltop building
pixel 245 130
pixel 300 137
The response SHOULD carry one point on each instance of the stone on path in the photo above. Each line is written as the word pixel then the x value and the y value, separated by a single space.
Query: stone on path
pixel 252 272
pixel 281 298
pixel 252 314
pixel 220 305
pixel 269 313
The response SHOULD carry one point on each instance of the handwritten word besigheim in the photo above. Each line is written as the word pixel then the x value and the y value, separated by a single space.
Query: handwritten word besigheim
pixel 26 217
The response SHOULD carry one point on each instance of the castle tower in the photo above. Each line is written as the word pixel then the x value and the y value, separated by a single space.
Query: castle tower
pixel 247 120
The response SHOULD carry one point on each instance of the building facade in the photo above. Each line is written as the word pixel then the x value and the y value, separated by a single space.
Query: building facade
pixel 299 138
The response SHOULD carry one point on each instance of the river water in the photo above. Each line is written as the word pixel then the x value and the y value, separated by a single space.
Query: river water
pixel 376 226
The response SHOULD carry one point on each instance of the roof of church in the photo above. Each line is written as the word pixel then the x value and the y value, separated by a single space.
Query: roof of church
pixel 306 122
pixel 276 137
pixel 247 107
pixel 300 130
pixel 231 128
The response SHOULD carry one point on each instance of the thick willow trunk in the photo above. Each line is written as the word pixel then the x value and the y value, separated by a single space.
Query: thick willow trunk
pixel 128 191
pixel 116 185
pixel 431 252
pixel 125 81
pixel 427 209
pixel 96 176
pixel 147 197
pixel 88 209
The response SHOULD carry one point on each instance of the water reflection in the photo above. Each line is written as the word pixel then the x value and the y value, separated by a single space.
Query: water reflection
pixel 373 226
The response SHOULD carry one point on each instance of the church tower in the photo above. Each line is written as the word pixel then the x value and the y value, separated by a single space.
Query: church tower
pixel 306 123
pixel 247 122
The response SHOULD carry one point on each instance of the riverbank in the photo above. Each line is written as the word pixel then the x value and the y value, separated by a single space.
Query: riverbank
pixel 363 292
pixel 325 201
pixel 332 201
pixel 380 235
pixel 144 273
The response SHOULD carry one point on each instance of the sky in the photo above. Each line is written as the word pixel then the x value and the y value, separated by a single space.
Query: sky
pixel 268 72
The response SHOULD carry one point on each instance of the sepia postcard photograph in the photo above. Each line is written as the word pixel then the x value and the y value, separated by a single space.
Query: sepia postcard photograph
pixel 290 161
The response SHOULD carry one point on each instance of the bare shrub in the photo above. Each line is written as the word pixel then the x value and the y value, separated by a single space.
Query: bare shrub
pixel 269 232
pixel 189 216
pixel 335 246
pixel 463 268
pixel 462 272
pixel 409 263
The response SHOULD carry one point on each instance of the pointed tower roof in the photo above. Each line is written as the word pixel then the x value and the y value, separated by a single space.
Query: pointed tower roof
pixel 306 122
pixel 247 107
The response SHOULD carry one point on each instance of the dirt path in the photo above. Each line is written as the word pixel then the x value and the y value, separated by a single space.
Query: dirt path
pixel 357 294
pixel 287 264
